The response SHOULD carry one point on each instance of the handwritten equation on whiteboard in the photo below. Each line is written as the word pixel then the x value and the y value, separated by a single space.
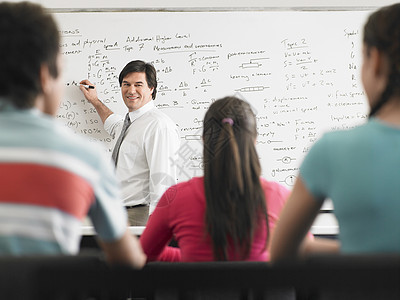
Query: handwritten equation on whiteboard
pixel 299 70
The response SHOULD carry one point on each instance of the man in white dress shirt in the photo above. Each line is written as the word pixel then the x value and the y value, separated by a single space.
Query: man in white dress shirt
pixel 145 162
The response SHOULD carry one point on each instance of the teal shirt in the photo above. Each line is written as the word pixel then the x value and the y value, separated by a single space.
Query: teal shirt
pixel 359 170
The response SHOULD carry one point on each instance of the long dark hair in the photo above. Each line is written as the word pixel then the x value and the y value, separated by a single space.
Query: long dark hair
pixel 382 31
pixel 234 196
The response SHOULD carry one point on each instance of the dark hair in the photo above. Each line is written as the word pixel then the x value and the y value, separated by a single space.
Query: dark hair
pixel 382 31
pixel 29 37
pixel 138 66
pixel 235 201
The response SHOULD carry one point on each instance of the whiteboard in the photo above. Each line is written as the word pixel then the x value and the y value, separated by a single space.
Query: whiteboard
pixel 299 70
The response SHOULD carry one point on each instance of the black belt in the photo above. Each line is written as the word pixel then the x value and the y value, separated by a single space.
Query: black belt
pixel 134 206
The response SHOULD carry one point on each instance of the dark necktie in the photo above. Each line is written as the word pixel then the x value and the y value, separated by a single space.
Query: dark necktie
pixel 115 153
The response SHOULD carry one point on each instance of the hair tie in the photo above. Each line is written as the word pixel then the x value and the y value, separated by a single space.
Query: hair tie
pixel 227 120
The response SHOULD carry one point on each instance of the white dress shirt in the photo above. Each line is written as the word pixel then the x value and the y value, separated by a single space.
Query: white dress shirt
pixel 147 157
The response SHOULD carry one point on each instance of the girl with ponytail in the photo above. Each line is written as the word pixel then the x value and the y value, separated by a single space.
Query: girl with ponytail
pixel 228 213
pixel 235 200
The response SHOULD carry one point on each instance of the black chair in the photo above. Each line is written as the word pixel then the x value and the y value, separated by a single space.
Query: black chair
pixel 81 277
pixel 89 277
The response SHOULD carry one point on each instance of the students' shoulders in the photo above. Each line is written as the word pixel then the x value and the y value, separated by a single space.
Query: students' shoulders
pixel 194 185
pixel 183 196
pixel 275 194
pixel 92 152
pixel 339 145
pixel 56 136
pixel 347 138
pixel 274 188
pixel 63 147
pixel 76 153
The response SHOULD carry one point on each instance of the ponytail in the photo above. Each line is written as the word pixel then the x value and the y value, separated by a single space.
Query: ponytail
pixel 393 81
pixel 234 196
pixel 382 31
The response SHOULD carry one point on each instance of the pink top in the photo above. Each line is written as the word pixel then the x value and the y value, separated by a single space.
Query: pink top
pixel 180 215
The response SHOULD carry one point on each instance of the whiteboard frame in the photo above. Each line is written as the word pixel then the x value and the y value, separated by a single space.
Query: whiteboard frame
pixel 209 5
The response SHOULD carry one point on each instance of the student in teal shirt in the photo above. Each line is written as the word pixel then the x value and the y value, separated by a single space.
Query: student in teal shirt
pixel 357 169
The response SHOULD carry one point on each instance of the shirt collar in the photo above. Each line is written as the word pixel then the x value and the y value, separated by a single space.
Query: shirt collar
pixel 133 115
pixel 8 106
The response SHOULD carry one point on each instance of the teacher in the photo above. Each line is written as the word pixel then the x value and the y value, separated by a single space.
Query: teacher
pixel 147 140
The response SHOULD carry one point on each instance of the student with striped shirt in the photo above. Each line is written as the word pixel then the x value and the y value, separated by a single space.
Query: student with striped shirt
pixel 50 178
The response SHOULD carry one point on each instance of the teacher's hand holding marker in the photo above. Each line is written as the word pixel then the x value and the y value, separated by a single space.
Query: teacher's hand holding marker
pixel 89 91
pixel 86 86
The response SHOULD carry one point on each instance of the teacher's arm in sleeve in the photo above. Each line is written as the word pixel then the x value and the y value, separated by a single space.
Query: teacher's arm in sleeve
pixel 90 94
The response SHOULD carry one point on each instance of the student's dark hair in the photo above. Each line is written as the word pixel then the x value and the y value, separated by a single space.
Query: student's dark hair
pixel 382 31
pixel 235 201
pixel 141 67
pixel 29 38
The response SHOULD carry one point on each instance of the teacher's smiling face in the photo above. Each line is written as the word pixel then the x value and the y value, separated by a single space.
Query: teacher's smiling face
pixel 135 90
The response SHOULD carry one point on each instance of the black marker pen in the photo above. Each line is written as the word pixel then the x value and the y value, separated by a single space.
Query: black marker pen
pixel 88 86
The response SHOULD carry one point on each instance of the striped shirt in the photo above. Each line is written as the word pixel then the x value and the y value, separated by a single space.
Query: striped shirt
pixel 50 180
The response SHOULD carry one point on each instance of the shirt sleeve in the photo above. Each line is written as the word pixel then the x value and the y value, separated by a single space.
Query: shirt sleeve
pixel 113 124
pixel 161 149
pixel 314 171
pixel 158 234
